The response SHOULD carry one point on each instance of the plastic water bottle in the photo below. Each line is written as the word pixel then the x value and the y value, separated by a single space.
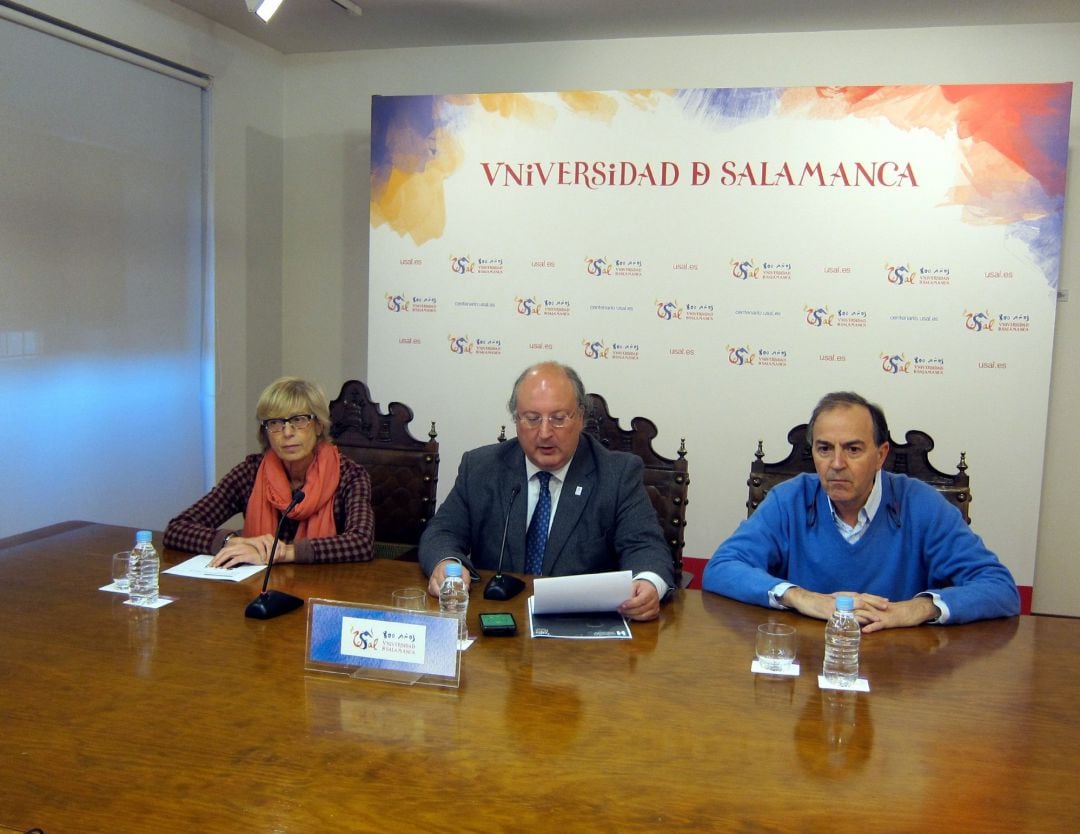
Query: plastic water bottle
pixel 842 636
pixel 143 570
pixel 454 597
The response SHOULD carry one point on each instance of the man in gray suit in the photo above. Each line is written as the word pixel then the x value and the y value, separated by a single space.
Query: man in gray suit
pixel 597 513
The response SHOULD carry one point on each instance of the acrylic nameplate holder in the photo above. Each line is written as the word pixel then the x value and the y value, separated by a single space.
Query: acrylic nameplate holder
pixel 377 642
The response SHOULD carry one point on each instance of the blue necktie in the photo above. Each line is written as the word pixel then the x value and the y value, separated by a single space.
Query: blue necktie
pixel 537 535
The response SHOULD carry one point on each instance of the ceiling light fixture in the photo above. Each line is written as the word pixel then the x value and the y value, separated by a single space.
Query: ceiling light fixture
pixel 263 8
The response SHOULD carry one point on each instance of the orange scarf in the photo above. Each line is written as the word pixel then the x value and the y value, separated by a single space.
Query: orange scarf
pixel 272 493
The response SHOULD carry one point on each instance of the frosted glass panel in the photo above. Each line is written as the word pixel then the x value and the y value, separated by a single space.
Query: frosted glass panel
pixel 101 287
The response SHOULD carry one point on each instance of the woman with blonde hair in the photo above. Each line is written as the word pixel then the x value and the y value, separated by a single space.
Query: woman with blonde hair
pixel 333 522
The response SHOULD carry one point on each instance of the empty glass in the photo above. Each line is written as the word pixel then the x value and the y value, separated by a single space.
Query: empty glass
pixel 120 570
pixel 776 643
pixel 412 599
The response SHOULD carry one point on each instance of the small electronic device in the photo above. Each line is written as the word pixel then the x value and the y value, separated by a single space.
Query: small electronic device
pixel 498 625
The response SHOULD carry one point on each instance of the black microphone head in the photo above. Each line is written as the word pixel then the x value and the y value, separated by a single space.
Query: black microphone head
pixel 298 496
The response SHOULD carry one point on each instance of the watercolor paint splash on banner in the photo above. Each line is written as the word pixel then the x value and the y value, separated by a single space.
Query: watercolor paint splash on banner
pixel 414 149
pixel 1014 142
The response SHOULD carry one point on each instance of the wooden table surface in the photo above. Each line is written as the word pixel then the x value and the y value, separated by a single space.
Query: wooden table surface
pixel 193 718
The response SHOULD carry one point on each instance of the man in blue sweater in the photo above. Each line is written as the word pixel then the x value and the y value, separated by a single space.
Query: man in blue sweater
pixel 892 542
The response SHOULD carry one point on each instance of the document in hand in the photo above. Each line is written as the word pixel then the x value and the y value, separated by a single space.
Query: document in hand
pixel 581 607
pixel 586 592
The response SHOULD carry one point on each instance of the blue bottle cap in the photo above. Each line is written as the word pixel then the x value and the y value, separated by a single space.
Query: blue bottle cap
pixel 845 604
pixel 143 536
pixel 453 568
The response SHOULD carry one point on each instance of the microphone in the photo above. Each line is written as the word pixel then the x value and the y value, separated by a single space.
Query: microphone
pixel 501 587
pixel 271 604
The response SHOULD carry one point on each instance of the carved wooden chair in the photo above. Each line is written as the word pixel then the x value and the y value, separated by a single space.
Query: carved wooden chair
pixel 404 471
pixel 666 480
pixel 910 458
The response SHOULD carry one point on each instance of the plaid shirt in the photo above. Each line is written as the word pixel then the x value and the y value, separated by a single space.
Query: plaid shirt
pixel 196 529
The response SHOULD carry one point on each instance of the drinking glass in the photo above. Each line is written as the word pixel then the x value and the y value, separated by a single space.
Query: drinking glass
pixel 776 643
pixel 120 570
pixel 412 599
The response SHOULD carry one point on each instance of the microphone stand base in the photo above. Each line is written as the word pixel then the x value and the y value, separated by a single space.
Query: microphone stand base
pixel 502 587
pixel 270 604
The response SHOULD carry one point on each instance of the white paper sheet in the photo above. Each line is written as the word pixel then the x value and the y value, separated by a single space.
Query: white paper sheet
pixel 198 567
pixel 789 669
pixel 861 685
pixel 161 603
pixel 585 592
pixel 161 600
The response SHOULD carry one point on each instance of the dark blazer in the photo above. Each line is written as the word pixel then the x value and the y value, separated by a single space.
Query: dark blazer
pixel 604 520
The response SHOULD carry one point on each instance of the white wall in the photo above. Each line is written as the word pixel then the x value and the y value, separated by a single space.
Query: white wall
pixel 327 130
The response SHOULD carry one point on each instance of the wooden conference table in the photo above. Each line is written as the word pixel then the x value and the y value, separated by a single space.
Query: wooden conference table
pixel 193 718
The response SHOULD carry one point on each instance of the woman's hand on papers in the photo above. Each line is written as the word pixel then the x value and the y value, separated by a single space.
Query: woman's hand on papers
pixel 250 551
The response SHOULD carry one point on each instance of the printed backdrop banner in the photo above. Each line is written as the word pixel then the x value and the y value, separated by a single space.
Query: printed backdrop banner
pixel 716 260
